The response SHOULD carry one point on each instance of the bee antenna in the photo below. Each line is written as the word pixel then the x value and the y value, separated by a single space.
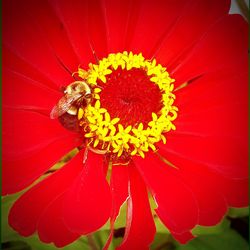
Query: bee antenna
pixel 63 65
pixel 96 58
pixel 73 75
pixel 94 54
pixel 99 86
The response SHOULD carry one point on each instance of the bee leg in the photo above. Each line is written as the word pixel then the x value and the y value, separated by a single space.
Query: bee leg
pixel 94 54
pixel 62 89
pixel 96 58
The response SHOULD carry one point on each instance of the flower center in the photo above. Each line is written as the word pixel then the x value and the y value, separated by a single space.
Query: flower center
pixel 131 96
pixel 125 104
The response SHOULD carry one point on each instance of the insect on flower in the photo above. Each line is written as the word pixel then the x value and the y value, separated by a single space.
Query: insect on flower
pixel 76 95
pixel 144 121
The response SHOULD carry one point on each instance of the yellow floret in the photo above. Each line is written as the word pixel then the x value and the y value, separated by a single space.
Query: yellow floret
pixel 105 131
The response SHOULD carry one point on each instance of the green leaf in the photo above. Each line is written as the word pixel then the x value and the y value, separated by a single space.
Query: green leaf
pixel 36 244
pixel 198 230
pixel 8 234
pixel 16 242
pixel 238 212
pixel 15 245
pixel 217 229
pixel 162 241
pixel 229 240
pixel 122 217
pixel 100 238
pixel 160 227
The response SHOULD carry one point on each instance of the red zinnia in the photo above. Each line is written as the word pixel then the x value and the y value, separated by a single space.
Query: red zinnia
pixel 163 101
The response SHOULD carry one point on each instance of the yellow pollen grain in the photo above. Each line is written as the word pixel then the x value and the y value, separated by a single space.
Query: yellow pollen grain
pixel 80 113
pixel 105 131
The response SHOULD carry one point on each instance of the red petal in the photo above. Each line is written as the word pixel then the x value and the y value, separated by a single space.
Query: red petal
pixel 21 91
pixel 153 23
pixel 205 121
pixel 23 37
pixel 211 202
pixel 51 227
pixel 222 154
pixel 212 205
pixel 18 66
pixel 119 190
pixel 49 25
pixel 26 132
pixel 119 187
pixel 140 227
pixel 118 22
pixel 177 206
pixel 27 210
pixel 28 153
pixel 97 30
pixel 84 23
pixel 87 205
pixel 221 47
pixel 234 191
pixel 193 21
pixel 184 237
pixel 216 96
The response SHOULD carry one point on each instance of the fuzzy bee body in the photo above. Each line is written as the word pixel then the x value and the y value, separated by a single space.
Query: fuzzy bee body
pixel 76 95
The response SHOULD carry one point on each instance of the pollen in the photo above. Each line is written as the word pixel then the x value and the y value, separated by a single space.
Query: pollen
pixel 123 117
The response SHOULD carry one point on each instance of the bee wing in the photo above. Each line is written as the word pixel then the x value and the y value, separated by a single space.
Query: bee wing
pixel 63 105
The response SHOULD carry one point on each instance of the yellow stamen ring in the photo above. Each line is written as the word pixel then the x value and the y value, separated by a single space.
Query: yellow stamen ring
pixel 107 133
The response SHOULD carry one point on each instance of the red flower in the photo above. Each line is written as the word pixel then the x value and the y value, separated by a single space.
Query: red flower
pixel 194 177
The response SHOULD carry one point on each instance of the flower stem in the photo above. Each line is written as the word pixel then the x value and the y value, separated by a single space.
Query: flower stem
pixel 244 8
pixel 168 244
pixel 91 242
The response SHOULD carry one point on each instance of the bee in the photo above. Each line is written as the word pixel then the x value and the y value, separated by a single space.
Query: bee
pixel 77 94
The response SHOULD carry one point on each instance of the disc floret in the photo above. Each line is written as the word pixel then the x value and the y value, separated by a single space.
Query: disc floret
pixel 107 133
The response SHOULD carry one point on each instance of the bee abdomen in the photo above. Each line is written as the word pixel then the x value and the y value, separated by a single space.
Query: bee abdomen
pixel 69 121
